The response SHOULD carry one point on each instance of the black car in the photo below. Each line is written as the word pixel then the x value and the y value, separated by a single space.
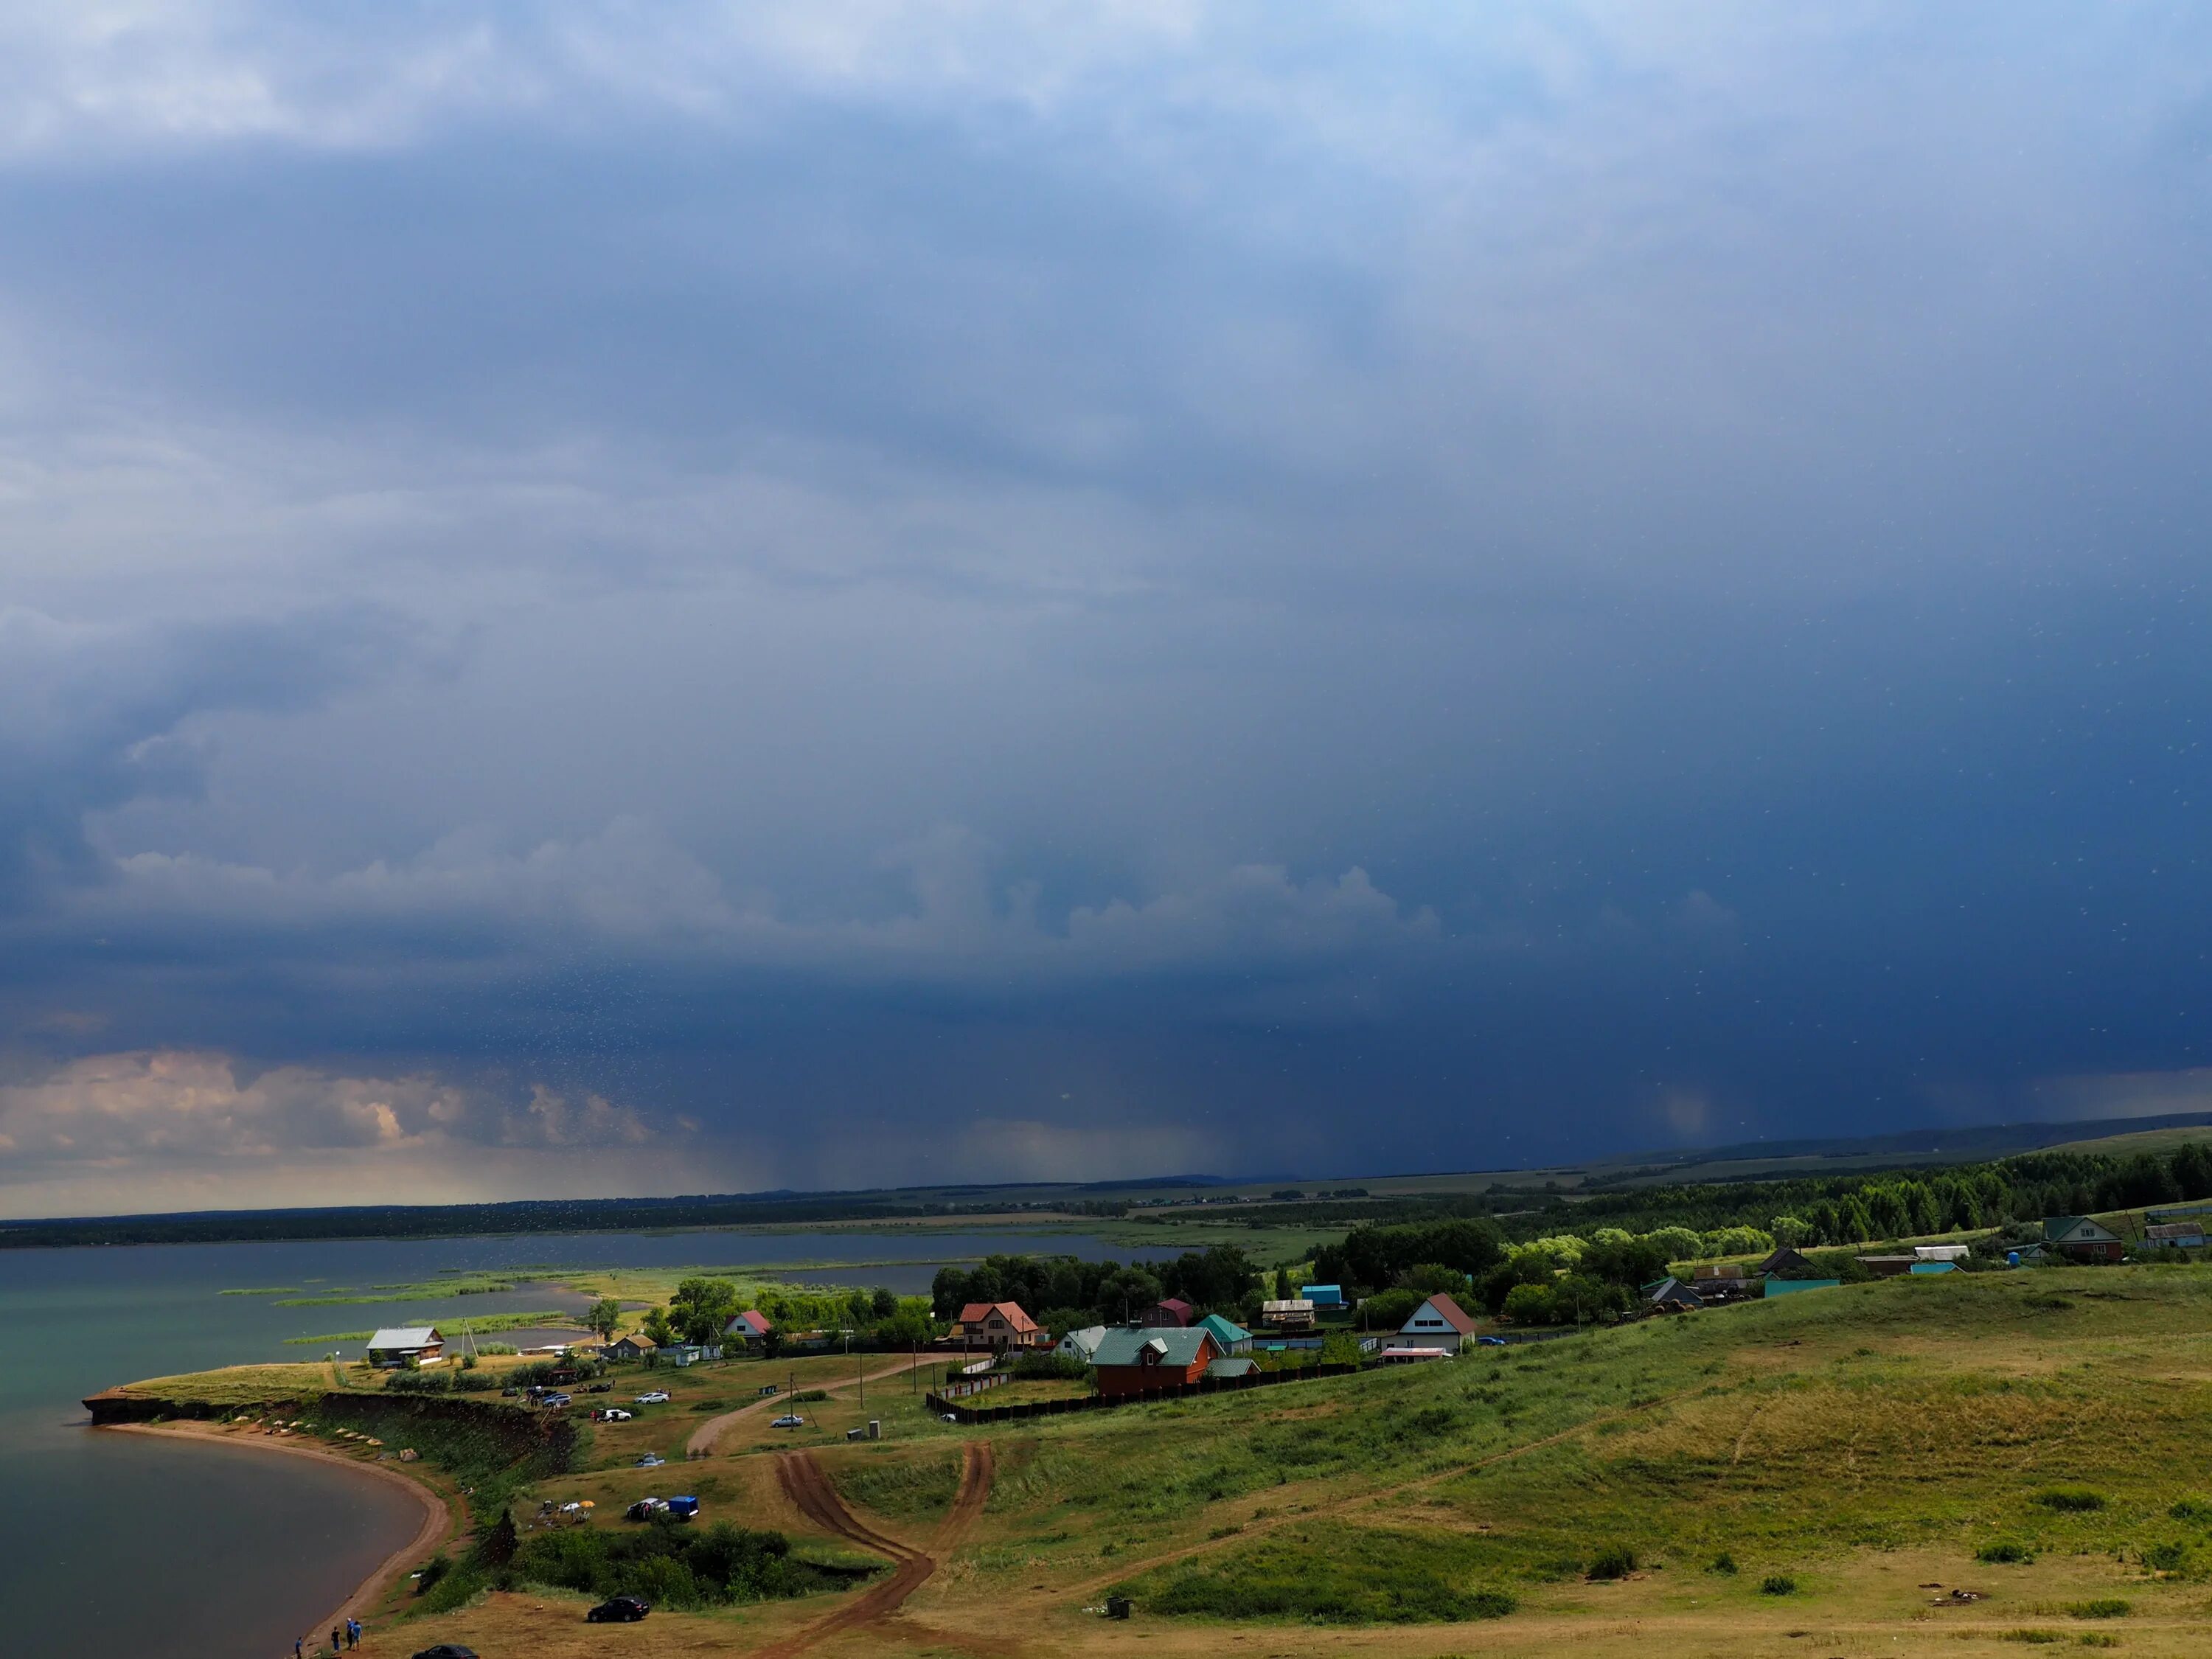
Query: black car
pixel 621 1610
pixel 600 1387
pixel 447 1651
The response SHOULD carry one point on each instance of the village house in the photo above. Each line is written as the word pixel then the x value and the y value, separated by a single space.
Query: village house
pixel 999 1326
pixel 635 1345
pixel 1169 1311
pixel 1079 1344
pixel 1787 1263
pixel 1231 1337
pixel 1672 1295
pixel 1134 1358
pixel 2175 1236
pixel 2078 1238
pixel 420 1343
pixel 1324 1296
pixel 746 1331
pixel 1294 1313
pixel 1439 1322
pixel 1888 1267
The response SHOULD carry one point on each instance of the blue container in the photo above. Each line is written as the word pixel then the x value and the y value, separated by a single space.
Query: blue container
pixel 683 1509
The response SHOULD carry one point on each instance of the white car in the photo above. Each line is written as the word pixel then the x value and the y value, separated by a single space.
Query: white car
pixel 789 1421
pixel 651 1460
pixel 658 1397
pixel 615 1414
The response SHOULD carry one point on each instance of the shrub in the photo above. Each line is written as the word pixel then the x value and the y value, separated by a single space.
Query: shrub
pixel 670 1564
pixel 1613 1561
pixel 809 1396
pixel 2199 1509
pixel 1778 1583
pixel 433 1569
pixel 2110 1607
pixel 2169 1556
pixel 2069 1499
pixel 1723 1563
pixel 2004 1552
pixel 1051 1367
pixel 2038 1636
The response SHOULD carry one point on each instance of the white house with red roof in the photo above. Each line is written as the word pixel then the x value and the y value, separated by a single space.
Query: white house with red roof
pixel 1439 1324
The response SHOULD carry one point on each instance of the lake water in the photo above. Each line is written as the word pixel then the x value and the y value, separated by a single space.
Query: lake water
pixel 128 1545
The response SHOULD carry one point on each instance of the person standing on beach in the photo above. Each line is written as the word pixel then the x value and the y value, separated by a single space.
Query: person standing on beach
pixel 353 1633
pixel 337 1642
pixel 299 1647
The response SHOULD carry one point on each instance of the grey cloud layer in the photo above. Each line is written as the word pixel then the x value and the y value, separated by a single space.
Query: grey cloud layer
pixel 1299 585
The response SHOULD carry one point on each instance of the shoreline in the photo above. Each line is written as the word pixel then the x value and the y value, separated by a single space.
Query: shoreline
pixel 438 1526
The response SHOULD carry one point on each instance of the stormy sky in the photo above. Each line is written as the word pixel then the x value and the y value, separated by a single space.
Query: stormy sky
pixel 604 599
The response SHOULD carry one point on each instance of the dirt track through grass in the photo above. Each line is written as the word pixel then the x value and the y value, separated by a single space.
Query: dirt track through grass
pixel 807 1485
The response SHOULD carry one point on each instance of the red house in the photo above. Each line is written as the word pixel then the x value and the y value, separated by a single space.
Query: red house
pixel 1175 1311
pixel 1133 1359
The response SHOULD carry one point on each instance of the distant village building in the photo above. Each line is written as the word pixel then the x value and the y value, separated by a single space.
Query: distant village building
pixel 1169 1311
pixel 1787 1263
pixel 1888 1267
pixel 1294 1314
pixel 419 1343
pixel 1238 1366
pixel 1133 1358
pixel 2079 1239
pixel 1232 1337
pixel 1079 1344
pixel 636 1345
pixel 747 1332
pixel 1439 1324
pixel 999 1326
pixel 1324 1296
pixel 2175 1236
pixel 1942 1252
pixel 1672 1295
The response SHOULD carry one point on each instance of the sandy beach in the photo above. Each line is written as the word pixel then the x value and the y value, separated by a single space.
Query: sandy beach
pixel 438 1526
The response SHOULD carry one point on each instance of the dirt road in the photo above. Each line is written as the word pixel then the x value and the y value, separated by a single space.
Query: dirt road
pixel 702 1443
pixel 808 1487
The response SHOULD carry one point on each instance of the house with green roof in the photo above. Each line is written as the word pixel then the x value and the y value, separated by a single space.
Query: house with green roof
pixel 1139 1358
pixel 1232 1337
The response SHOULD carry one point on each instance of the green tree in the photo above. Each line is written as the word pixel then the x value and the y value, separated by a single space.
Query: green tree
pixel 604 1317
pixel 657 1327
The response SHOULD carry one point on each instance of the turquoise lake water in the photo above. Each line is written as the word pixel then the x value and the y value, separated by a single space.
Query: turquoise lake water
pixel 122 1544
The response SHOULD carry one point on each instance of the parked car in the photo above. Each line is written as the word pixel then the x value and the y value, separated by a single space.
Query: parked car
pixel 646 1508
pixel 600 1387
pixel 789 1421
pixel 614 1414
pixel 951 1417
pixel 618 1610
pixel 1489 1341
pixel 447 1651
pixel 553 1402
pixel 651 1460
pixel 656 1397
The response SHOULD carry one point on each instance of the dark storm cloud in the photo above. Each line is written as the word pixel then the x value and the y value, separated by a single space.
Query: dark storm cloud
pixel 1045 591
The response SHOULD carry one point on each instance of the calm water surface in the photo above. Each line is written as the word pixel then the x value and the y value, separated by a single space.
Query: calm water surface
pixel 126 1545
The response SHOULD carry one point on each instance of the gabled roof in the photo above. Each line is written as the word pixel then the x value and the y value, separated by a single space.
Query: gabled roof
pixel 1178 1346
pixel 1085 1341
pixel 976 1312
pixel 1238 1366
pixel 2166 1230
pixel 1439 1306
pixel 638 1340
pixel 407 1336
pixel 1226 1331
pixel 2077 1230
pixel 1176 1308
pixel 1673 1289
pixel 752 1321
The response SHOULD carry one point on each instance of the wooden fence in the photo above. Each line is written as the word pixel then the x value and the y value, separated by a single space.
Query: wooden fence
pixel 968 1415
